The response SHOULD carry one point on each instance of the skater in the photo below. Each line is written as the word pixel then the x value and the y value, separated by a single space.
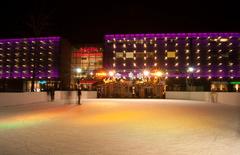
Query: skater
pixel 52 94
pixel 79 93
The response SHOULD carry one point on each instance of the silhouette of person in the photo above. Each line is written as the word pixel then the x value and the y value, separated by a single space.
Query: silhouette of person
pixel 79 93
pixel 52 94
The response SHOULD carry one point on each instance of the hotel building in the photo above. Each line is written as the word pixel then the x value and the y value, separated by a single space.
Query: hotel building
pixel 34 59
pixel 190 61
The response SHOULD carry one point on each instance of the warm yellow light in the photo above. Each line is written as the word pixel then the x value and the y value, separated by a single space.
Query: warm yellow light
pixel 101 74
pixel 223 39
pixel 111 73
pixel 158 73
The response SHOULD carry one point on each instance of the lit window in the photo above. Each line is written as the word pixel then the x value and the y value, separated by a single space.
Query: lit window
pixel 145 64
pixel 124 45
pixel 198 64
pixel 113 64
pixel 134 45
pixel 134 64
pixel 187 51
pixel 155 58
pixel 176 44
pixel 124 64
pixel 209 64
pixel 155 64
pixel 165 58
pixel 198 57
pixel 155 51
pixel 145 58
pixel 176 58
pixel 144 45
pixel 114 46
pixel 165 44
pixel 145 51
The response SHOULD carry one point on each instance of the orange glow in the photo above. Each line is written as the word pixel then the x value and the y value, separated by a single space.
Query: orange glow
pixel 101 74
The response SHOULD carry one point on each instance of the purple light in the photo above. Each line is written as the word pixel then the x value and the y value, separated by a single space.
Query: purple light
pixel 31 39
pixel 171 35
pixel 18 72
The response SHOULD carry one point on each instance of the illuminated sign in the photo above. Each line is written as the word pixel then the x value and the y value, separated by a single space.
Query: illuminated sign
pixel 235 82
pixel 87 54
pixel 101 74
pixel 42 82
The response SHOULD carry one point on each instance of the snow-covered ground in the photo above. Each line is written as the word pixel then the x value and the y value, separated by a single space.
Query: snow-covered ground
pixel 120 127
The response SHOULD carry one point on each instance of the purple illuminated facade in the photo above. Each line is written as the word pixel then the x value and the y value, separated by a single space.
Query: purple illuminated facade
pixel 27 58
pixel 214 56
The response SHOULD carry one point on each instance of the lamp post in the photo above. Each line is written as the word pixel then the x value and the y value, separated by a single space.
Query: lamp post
pixel 191 70
pixel 78 71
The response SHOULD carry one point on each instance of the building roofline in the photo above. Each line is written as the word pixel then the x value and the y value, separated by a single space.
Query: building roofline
pixel 172 35
pixel 31 39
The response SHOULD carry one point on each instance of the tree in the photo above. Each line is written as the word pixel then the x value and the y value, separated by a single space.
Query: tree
pixel 38 24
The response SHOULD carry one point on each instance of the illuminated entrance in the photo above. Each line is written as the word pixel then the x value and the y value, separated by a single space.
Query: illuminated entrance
pixel 144 84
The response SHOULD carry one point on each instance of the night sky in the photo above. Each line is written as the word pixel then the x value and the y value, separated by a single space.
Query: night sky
pixel 88 22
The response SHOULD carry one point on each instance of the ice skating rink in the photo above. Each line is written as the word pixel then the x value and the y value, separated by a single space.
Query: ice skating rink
pixel 120 127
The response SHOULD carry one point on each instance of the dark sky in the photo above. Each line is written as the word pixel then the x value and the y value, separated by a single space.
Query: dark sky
pixel 88 22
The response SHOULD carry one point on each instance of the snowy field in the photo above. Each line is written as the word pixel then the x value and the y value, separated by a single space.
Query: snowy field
pixel 120 127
